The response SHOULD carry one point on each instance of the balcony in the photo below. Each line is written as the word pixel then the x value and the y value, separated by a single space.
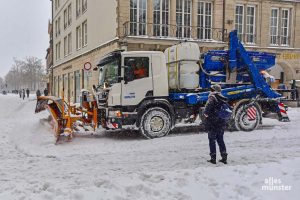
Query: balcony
pixel 179 32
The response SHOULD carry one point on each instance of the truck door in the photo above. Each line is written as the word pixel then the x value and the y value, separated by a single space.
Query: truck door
pixel 137 75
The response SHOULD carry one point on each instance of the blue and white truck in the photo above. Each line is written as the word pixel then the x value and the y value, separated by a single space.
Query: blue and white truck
pixel 152 91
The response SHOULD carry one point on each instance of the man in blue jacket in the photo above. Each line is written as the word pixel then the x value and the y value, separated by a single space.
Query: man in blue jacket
pixel 214 125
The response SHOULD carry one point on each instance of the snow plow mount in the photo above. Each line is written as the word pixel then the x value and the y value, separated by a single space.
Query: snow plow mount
pixel 66 118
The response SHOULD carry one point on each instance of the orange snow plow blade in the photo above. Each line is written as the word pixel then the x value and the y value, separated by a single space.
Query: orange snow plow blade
pixel 64 116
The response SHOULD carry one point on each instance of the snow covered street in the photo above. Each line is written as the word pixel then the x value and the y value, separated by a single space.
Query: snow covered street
pixel 126 166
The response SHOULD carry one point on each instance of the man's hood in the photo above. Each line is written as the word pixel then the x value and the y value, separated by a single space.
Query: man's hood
pixel 219 96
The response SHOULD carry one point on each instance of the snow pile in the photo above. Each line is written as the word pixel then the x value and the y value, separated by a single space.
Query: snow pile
pixel 125 166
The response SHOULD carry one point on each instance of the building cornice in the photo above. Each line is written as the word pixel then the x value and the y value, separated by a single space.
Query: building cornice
pixel 87 52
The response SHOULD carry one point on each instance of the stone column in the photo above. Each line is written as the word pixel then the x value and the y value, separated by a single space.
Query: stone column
pixel 150 17
pixel 229 15
pixel 264 23
pixel 295 42
pixel 218 14
pixel 172 18
pixel 123 15
pixel 194 19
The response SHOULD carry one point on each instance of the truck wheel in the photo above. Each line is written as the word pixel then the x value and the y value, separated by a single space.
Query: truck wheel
pixel 242 122
pixel 155 123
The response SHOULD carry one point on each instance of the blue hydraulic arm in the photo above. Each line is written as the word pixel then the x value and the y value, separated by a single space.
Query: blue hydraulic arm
pixel 236 51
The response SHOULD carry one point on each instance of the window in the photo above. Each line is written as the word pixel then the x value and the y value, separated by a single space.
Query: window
pixel 274 26
pixel 239 20
pixel 56 4
pixel 58 22
pixel 57 51
pixel 71 85
pixel 285 27
pixel 56 28
pixel 183 18
pixel 65 18
pixel 77 86
pixel 65 46
pixel 204 20
pixel 279 26
pixel 109 73
pixel 69 14
pixel 55 84
pixel 65 85
pixel 78 8
pixel 138 17
pixel 160 17
pixel 69 43
pixel 250 24
pixel 84 34
pixel 136 68
pixel 87 77
pixel 78 38
pixel 61 86
pixel 57 88
pixel 245 23
pixel 84 5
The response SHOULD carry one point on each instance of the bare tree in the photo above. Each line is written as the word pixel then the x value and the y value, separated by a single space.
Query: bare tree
pixel 26 73
pixel 1 83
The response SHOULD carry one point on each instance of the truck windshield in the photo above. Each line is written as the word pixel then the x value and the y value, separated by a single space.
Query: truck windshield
pixel 109 74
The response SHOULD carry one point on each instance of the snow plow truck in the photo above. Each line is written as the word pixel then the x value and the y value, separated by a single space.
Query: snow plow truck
pixel 152 91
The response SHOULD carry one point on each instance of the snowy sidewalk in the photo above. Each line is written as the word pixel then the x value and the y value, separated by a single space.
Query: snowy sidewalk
pixel 113 166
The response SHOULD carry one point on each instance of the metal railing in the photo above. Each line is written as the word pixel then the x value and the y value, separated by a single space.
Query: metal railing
pixel 173 31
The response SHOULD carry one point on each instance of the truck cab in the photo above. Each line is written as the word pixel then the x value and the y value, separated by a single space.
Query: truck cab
pixel 129 82
pixel 130 77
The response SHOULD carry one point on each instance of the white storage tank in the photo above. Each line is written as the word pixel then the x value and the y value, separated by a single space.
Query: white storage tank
pixel 182 65
pixel 183 51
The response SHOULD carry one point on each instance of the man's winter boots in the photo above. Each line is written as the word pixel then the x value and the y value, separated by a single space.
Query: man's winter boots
pixel 213 159
pixel 224 158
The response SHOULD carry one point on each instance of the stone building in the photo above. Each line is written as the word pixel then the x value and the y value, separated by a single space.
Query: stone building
pixel 84 31
pixel 49 58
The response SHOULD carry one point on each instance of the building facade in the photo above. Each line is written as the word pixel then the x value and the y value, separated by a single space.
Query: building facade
pixel 49 58
pixel 84 31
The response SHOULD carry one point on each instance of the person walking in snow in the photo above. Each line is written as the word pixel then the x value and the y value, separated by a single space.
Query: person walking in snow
pixel 27 92
pixel 38 93
pixel 20 93
pixel 45 92
pixel 214 125
pixel 23 94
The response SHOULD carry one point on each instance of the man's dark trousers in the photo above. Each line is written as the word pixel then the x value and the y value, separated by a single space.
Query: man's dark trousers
pixel 213 136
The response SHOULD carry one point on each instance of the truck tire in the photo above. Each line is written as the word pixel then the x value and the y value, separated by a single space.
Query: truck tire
pixel 241 121
pixel 155 123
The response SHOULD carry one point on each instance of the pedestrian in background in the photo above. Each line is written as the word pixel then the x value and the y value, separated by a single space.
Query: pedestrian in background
pixel 214 125
pixel 27 92
pixel 20 93
pixel 38 93
pixel 23 94
pixel 45 92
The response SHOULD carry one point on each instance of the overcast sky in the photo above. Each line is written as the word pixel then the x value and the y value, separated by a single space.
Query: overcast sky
pixel 23 30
